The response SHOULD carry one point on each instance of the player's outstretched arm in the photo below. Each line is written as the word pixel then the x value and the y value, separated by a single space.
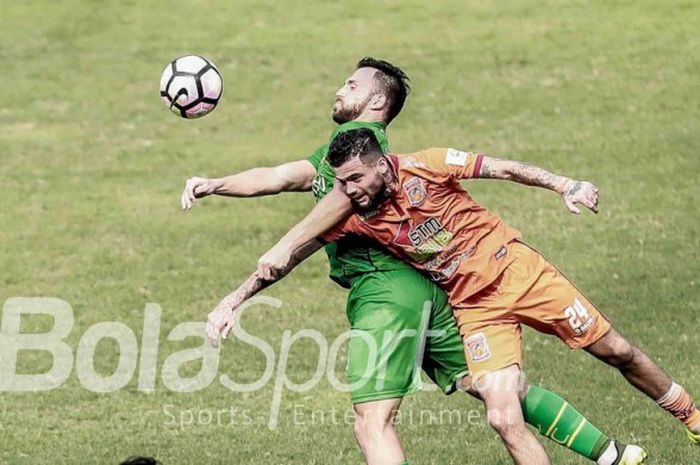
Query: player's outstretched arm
pixel 220 321
pixel 289 177
pixel 332 209
pixel 573 192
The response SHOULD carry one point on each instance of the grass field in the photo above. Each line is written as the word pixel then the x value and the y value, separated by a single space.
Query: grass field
pixel 92 166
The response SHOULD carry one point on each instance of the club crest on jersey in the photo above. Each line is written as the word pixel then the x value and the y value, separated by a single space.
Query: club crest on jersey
pixel 415 191
pixel 478 347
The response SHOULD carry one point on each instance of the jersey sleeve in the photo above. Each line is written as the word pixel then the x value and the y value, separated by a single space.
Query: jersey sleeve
pixel 318 155
pixel 349 225
pixel 445 164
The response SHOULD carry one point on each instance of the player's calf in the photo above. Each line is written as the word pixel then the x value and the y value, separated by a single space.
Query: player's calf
pixel 644 374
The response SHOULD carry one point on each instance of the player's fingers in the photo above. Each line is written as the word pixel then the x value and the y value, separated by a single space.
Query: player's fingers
pixel 572 208
pixel 212 334
pixel 594 200
pixel 589 201
pixel 272 273
pixel 199 191
pixel 227 329
pixel 210 326
pixel 592 206
pixel 190 191
pixel 263 271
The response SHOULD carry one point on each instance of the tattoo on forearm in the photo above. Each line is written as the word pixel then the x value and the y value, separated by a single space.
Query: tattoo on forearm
pixel 534 176
pixel 487 171
pixel 522 173
pixel 244 292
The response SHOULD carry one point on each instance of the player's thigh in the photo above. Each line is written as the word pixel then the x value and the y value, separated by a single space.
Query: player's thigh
pixel 378 412
pixel 492 338
pixel 548 302
pixel 385 315
pixel 443 357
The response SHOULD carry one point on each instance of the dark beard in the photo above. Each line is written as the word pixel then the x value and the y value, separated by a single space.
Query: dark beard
pixel 378 200
pixel 346 114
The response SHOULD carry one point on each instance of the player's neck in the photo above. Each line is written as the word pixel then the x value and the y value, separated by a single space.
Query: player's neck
pixel 370 116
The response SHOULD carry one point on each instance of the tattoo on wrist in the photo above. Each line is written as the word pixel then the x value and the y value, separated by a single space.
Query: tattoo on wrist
pixel 534 176
pixel 574 188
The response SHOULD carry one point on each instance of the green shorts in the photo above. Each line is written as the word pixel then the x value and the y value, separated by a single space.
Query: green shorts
pixel 400 322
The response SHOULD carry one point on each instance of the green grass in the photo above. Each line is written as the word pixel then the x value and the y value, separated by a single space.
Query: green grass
pixel 92 164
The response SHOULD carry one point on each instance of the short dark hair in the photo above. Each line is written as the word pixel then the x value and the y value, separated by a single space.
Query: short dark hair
pixel 354 143
pixel 140 461
pixel 392 81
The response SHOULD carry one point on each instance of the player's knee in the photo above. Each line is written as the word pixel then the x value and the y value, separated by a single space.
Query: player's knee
pixel 371 427
pixel 507 423
pixel 359 430
pixel 465 384
pixel 621 353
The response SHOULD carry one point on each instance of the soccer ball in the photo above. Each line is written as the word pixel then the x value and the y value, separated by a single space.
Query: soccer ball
pixel 191 86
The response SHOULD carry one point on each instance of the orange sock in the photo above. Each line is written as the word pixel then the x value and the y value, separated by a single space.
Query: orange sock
pixel 678 403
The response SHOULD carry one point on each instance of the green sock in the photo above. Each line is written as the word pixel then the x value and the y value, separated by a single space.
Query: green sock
pixel 560 422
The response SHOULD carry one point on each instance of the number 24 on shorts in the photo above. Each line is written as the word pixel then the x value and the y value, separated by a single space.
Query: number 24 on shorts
pixel 579 318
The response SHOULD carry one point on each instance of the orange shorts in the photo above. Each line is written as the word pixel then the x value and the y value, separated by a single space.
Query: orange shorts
pixel 530 291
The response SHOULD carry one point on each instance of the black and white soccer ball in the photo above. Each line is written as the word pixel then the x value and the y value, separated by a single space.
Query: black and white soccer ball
pixel 191 86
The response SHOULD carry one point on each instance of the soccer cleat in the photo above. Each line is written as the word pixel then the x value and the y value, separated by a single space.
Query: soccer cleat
pixel 630 455
pixel 694 437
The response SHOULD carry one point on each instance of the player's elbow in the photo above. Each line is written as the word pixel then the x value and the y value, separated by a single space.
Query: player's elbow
pixel 507 169
pixel 495 168
pixel 293 176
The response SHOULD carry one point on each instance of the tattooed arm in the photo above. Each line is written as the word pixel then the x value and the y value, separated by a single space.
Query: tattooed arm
pixel 572 191
pixel 221 320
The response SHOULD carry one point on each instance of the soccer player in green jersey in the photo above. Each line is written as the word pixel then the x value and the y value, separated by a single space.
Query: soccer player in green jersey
pixel 387 295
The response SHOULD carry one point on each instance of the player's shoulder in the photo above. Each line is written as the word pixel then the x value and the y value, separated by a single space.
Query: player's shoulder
pixel 434 158
pixel 425 159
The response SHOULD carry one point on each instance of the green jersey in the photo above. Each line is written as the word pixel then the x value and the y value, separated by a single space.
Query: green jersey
pixel 351 257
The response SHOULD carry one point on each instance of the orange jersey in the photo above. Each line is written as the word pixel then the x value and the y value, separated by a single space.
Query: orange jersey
pixel 433 223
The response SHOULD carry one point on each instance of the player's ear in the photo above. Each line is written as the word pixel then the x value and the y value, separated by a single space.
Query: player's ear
pixel 385 172
pixel 378 102
pixel 383 167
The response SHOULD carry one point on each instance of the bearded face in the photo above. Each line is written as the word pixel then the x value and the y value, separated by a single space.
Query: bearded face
pixel 352 99
pixel 367 185
pixel 345 111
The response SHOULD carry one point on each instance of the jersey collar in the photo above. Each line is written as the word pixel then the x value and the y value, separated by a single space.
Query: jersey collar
pixel 350 125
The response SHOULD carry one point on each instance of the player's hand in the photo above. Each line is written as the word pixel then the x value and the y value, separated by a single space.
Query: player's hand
pixel 196 188
pixel 274 262
pixel 580 192
pixel 220 321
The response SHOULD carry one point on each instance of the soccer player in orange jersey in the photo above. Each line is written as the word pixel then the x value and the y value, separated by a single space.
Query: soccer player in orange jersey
pixel 415 207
